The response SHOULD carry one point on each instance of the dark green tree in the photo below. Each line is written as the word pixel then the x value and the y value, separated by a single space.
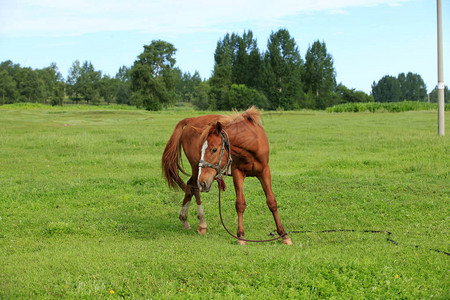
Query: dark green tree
pixel 201 99
pixel 90 83
pixel 319 76
pixel 74 82
pixel 282 71
pixel 412 86
pixel 58 93
pixel 52 84
pixel 221 79
pixel 242 97
pixel 153 77
pixel 8 86
pixel 237 60
pixel 434 95
pixel 29 85
pixel 123 93
pixel 246 60
pixel 109 88
pixel 351 95
pixel 387 89
pixel 8 89
pixel 186 85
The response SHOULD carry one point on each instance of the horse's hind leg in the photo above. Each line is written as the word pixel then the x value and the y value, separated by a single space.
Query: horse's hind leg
pixel 266 182
pixel 238 181
pixel 186 203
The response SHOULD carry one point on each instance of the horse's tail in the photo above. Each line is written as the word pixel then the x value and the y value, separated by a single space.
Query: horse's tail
pixel 171 159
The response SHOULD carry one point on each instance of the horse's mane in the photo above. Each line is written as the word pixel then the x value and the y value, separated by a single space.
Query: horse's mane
pixel 253 115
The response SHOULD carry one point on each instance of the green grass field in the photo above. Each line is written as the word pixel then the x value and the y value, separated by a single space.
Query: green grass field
pixel 85 213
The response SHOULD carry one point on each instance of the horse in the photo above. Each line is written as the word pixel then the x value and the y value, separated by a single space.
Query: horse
pixel 216 145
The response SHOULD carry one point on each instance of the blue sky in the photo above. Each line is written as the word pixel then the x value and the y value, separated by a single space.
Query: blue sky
pixel 367 38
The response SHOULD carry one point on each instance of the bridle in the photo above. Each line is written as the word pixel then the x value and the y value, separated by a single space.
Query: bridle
pixel 225 146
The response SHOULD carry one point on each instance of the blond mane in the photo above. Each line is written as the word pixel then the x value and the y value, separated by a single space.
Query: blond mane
pixel 252 114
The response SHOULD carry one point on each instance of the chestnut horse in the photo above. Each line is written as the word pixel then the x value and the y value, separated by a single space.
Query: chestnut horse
pixel 207 142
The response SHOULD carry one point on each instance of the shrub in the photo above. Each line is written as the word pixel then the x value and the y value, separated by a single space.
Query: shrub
pixel 384 107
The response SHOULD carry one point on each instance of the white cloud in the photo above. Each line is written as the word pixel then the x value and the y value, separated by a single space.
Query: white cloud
pixel 73 17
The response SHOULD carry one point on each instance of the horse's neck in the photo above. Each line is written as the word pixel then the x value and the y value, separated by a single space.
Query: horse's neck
pixel 243 135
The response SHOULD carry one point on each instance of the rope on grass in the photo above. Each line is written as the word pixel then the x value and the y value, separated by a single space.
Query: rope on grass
pixel 388 239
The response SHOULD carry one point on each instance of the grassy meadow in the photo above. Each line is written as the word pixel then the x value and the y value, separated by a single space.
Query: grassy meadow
pixel 85 213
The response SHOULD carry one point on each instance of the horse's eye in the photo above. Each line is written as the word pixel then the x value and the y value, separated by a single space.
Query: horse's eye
pixel 214 150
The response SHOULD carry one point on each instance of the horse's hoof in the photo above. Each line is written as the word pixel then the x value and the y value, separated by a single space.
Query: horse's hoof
pixel 241 242
pixel 201 230
pixel 287 240
pixel 186 226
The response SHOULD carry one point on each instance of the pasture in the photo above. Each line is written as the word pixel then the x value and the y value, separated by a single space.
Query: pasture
pixel 85 213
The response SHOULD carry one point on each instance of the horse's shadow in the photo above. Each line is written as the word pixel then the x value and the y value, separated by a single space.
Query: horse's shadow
pixel 150 226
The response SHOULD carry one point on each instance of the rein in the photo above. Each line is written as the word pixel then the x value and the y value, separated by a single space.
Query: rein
pixel 221 185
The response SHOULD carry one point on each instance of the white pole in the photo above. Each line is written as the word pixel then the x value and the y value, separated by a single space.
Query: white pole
pixel 441 108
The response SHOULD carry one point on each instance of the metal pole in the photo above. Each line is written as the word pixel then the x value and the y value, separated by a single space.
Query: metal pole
pixel 441 108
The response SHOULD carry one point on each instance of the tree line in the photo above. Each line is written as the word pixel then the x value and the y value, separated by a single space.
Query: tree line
pixel 243 75
pixel 410 87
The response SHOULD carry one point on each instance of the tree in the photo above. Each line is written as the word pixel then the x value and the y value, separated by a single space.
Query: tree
pixel 73 81
pixel 387 89
pixel 282 71
pixel 109 88
pixel 201 99
pixel 153 76
pixel 221 78
pixel 8 86
pixel 58 93
pixel 187 84
pixel 8 90
pixel 246 60
pixel 412 86
pixel 123 93
pixel 237 60
pixel 90 83
pixel 434 95
pixel 351 95
pixel 405 87
pixel 242 97
pixel 28 85
pixel 53 84
pixel 319 76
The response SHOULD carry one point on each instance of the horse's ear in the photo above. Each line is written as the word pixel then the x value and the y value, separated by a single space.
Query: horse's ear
pixel 218 127
pixel 198 130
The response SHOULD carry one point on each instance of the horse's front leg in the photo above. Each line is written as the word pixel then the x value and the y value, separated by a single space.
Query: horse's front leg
pixel 238 180
pixel 266 183
pixel 201 228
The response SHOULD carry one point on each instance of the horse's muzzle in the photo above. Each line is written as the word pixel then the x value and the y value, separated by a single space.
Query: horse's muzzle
pixel 204 187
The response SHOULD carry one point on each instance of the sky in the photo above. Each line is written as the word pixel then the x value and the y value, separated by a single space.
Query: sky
pixel 367 39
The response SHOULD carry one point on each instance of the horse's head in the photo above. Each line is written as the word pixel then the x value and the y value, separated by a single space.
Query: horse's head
pixel 214 157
